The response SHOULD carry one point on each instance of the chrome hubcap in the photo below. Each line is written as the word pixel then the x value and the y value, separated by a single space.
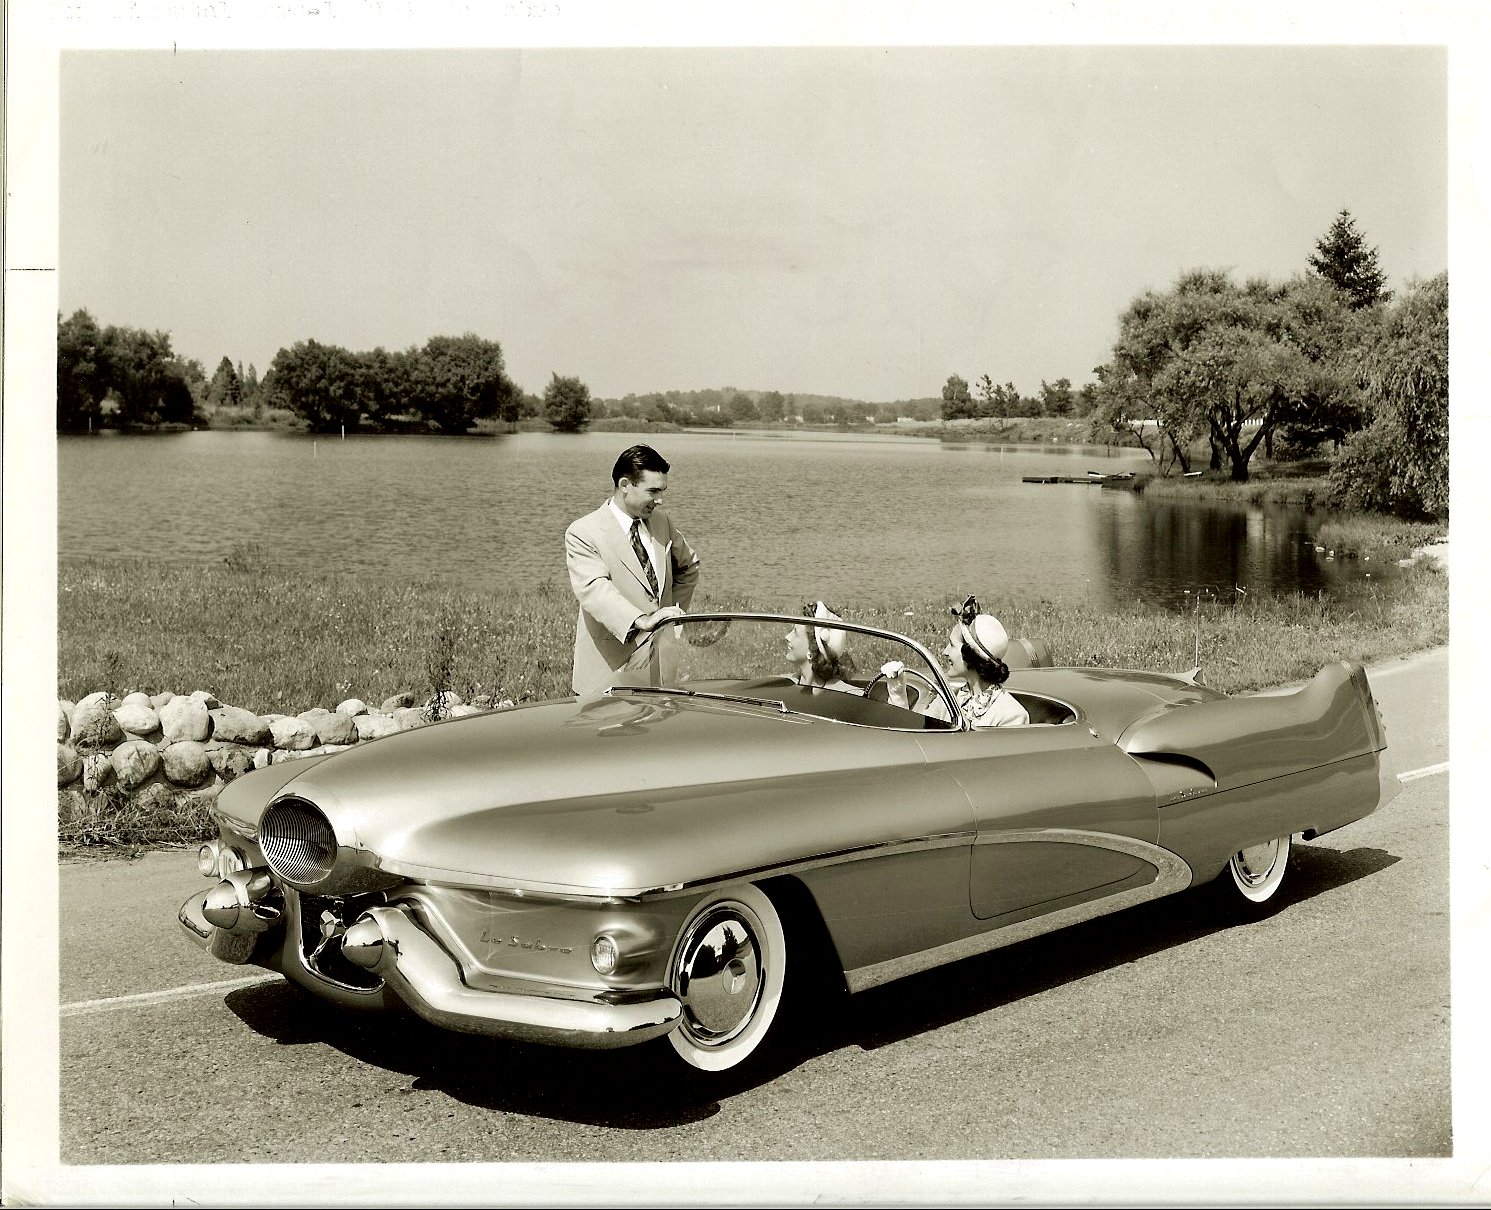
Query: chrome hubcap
pixel 718 974
pixel 1254 863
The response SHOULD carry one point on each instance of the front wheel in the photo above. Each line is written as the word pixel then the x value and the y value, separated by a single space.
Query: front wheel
pixel 728 969
pixel 1251 881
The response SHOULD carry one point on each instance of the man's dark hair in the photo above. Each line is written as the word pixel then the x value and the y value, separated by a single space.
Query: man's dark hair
pixel 635 462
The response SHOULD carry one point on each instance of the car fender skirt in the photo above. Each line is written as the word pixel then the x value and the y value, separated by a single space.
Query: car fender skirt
pixel 429 981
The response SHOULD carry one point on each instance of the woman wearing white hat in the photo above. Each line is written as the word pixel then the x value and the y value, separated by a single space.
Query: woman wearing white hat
pixel 975 656
pixel 818 653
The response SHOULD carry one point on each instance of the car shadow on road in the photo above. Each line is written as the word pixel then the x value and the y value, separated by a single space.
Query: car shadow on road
pixel 632 1089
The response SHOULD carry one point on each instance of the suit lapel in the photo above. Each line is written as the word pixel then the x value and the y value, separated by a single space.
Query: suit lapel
pixel 620 545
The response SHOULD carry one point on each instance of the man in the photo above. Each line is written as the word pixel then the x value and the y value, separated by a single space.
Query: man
pixel 631 571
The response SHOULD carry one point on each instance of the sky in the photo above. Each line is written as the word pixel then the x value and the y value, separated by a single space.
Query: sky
pixel 856 221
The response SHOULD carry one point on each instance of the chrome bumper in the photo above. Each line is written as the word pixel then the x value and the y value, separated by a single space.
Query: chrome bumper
pixel 422 975
pixel 389 943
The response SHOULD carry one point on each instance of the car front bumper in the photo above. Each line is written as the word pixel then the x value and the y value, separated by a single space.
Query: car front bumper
pixel 421 974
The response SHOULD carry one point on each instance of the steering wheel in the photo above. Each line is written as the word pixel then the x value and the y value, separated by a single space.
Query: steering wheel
pixel 922 685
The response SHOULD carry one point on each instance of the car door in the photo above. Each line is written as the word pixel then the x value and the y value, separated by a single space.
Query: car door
pixel 1061 816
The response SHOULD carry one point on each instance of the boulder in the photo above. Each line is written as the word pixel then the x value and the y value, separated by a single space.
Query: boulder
pixel 334 728
pixel 160 699
pixel 229 760
pixel 207 699
pixel 72 806
pixel 262 758
pixel 185 763
pixel 463 711
pixel 292 734
pixel 137 716
pixel 98 771
pixel 94 725
pixel 235 725
pixel 353 706
pixel 185 718
pixel 397 702
pixel 445 699
pixel 372 726
pixel 483 701
pixel 156 795
pixel 134 762
pixel 408 717
pixel 103 695
pixel 280 755
pixel 136 698
pixel 311 715
pixel 64 719
pixel 69 765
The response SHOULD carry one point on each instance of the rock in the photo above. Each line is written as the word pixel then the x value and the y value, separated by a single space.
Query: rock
pixel 134 761
pixel 408 717
pixel 137 698
pixel 334 728
pixel 292 734
pixel 137 716
pixel 324 750
pixel 156 796
pixel 72 806
pixel 64 719
pixel 447 699
pixel 234 725
pixel 160 699
pixel 483 701
pixel 103 695
pixel 185 718
pixel 207 699
pixel 185 763
pixel 373 726
pixel 280 755
pixel 353 706
pixel 464 711
pixel 94 725
pixel 69 765
pixel 98 771
pixel 311 715
pixel 262 758
pixel 397 702
pixel 229 760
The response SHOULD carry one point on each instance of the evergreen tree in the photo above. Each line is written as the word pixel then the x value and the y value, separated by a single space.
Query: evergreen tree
pixel 1343 258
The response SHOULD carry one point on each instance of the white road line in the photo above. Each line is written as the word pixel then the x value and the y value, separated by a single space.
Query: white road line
pixel 110 1004
pixel 1426 771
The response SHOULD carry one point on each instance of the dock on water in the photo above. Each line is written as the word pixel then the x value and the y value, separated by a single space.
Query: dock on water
pixel 1090 477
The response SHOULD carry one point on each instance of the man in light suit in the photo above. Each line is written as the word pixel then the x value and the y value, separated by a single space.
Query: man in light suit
pixel 631 571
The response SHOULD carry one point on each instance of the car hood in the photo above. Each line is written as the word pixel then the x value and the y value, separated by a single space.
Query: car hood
pixel 617 791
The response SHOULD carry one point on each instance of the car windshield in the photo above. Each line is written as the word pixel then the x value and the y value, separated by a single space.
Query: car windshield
pixel 802 665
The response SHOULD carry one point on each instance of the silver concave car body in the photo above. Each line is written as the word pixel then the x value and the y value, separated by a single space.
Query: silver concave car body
pixel 673 857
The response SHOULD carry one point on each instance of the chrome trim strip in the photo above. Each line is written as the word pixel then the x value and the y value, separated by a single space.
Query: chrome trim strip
pixel 1173 875
pixel 564 892
pixel 427 979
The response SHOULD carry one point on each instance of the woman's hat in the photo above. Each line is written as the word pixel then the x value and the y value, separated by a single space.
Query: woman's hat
pixel 832 641
pixel 981 631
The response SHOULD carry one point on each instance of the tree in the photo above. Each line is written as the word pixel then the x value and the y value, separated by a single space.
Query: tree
pixel 742 408
pixel 566 404
pixel 957 403
pixel 458 380
pixel 771 406
pixel 326 385
pixel 226 388
pixel 1343 258
pixel 149 383
pixel 82 376
pixel 1056 397
pixel 1400 464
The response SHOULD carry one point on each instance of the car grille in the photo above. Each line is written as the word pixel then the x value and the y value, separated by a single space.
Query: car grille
pixel 297 842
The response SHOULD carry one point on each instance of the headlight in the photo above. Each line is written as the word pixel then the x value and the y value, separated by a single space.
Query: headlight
pixel 604 954
pixel 207 859
pixel 298 842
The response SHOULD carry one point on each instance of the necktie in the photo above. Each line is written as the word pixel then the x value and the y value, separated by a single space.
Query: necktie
pixel 644 558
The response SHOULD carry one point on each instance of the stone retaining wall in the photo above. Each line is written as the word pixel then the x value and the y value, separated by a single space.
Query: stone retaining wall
pixel 193 743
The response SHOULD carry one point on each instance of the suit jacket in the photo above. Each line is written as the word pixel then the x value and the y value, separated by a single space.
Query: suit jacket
pixel 611 587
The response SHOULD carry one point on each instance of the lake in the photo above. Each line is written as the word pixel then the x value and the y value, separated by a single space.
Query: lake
pixel 778 517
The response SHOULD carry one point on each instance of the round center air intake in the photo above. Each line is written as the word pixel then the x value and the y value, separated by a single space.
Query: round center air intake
pixel 298 842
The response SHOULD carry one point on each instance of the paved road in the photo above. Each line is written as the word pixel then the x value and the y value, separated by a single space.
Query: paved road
pixel 1323 1031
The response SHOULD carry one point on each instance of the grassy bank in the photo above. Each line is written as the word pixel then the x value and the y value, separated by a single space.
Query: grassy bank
pixel 273 640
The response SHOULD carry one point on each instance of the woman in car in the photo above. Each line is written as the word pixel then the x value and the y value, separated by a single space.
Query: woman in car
pixel 975 657
pixel 817 654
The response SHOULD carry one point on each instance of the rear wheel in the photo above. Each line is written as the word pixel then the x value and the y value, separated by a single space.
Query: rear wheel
pixel 728 969
pixel 1251 880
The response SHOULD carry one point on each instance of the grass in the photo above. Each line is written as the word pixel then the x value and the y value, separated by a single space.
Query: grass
pixel 270 640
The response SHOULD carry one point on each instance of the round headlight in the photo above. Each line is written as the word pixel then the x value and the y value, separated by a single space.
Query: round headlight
pixel 231 862
pixel 298 842
pixel 604 954
pixel 207 859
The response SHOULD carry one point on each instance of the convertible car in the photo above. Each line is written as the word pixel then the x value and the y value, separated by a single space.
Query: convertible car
pixel 678 857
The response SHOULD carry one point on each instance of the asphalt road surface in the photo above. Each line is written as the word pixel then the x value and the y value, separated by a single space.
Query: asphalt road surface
pixel 1155 1032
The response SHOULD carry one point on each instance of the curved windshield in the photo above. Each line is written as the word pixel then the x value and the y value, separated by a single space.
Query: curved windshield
pixel 803 665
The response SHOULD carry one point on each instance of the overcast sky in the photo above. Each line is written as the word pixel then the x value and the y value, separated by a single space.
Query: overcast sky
pixel 859 222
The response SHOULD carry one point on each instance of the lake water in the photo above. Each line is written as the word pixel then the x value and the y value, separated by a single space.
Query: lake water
pixel 778 517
